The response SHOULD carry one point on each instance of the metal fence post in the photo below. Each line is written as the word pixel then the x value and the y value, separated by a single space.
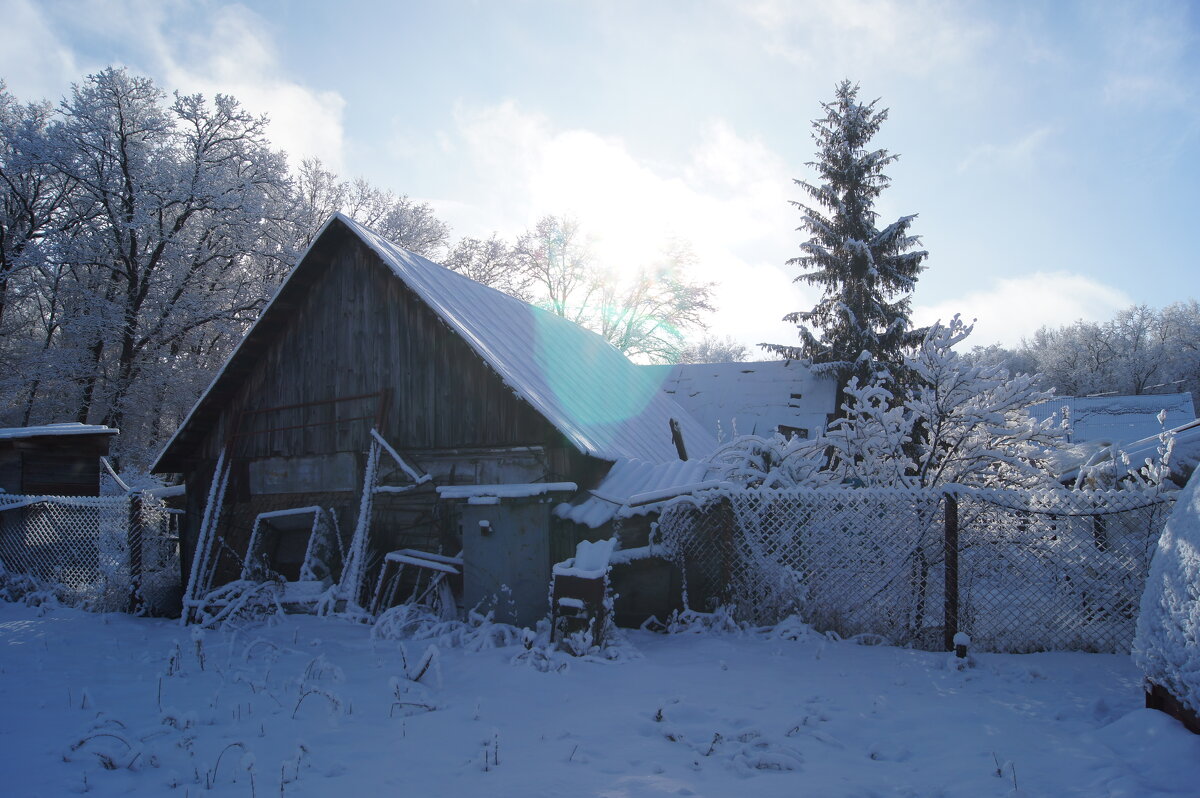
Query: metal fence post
pixel 951 553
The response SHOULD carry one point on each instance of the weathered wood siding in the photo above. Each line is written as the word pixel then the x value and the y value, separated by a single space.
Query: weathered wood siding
pixel 346 326
pixel 10 470
pixel 53 465
pixel 359 330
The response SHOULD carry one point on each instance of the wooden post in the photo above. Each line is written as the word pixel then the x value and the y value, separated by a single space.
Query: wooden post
pixel 677 439
pixel 951 588
pixel 133 537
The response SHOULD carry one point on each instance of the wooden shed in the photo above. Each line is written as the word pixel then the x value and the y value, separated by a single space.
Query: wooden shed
pixel 53 459
pixel 368 346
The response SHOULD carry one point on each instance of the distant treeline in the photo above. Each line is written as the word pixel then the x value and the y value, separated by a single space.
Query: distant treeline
pixel 1141 350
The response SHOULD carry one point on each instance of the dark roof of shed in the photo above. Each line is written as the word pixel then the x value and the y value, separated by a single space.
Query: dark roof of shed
pixel 600 401
pixel 56 430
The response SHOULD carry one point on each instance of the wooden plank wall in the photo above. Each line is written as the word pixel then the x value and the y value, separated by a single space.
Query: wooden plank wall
pixel 359 330
pixel 10 470
pixel 53 465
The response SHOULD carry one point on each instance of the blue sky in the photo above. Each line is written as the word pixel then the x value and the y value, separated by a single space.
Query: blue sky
pixel 1049 148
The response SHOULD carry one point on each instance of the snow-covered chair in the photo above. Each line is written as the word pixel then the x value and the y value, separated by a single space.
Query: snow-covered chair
pixel 579 601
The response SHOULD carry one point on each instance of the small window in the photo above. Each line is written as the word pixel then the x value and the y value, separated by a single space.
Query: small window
pixel 793 432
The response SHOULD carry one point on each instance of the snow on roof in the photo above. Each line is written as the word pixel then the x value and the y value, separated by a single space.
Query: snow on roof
pixel 588 390
pixel 595 396
pixel 505 491
pixel 750 398
pixel 1185 451
pixel 1118 419
pixel 626 479
pixel 66 428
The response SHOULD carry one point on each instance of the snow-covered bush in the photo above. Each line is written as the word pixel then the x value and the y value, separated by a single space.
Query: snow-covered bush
pixel 1167 645
pixel 25 589
pixel 239 602
pixel 963 424
pixel 960 423
pixel 479 632
pixel 777 462
pixel 1153 472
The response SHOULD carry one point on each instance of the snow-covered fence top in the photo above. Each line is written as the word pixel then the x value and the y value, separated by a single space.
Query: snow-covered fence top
pixel 1018 570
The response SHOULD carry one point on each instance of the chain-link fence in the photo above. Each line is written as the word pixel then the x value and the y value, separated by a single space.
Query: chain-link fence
pixel 108 553
pixel 1018 570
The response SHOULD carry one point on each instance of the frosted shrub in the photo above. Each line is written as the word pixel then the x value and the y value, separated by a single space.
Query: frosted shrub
pixel 958 423
pixel 240 602
pixel 414 622
pixel 25 589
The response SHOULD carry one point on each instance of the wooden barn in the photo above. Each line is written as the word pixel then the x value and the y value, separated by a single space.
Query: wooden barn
pixel 386 411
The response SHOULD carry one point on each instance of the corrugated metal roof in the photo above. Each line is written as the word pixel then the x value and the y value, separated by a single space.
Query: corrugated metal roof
pixel 754 398
pixel 626 479
pixel 1185 451
pixel 1117 419
pixel 596 397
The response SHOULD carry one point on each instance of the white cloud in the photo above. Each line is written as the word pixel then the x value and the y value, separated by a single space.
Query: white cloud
pixel 1015 307
pixel 728 199
pixel 1018 155
pixel 1147 54
pixel 236 55
pixel 914 37
pixel 232 53
pixel 34 61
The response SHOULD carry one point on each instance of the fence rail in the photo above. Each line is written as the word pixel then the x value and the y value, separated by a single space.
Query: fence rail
pixel 1018 570
pixel 107 553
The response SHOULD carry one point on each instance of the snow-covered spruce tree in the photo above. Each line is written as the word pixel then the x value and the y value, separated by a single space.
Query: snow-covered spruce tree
pixel 961 423
pixel 860 327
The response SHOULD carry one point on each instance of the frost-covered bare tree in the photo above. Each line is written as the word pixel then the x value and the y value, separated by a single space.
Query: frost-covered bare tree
pixel 318 193
pixel 972 423
pixel 399 218
pixel 710 349
pixel 168 235
pixel 1181 327
pixel 32 195
pixel 177 200
pixel 649 316
pixel 998 355
pixel 1140 350
pixel 491 262
pixel 557 257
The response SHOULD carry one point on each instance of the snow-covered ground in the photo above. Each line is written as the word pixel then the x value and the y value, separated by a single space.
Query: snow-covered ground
pixel 115 705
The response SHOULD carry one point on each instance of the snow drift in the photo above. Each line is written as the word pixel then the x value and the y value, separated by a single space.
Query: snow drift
pixel 1165 646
